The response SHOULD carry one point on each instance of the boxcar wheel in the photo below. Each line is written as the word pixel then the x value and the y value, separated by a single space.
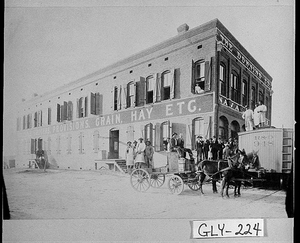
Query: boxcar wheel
pixel 140 180
pixel 175 184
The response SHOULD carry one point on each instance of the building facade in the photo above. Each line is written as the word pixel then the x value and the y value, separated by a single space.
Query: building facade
pixel 196 83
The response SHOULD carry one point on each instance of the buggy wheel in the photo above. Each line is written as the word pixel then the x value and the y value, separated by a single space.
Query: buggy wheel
pixel 175 184
pixel 139 180
pixel 194 186
pixel 157 180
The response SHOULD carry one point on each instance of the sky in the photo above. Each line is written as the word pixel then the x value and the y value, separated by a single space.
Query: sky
pixel 50 43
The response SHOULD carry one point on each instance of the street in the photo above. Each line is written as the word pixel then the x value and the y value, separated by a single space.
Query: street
pixel 103 194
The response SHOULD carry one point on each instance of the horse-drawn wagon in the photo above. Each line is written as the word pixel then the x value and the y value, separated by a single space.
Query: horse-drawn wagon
pixel 180 171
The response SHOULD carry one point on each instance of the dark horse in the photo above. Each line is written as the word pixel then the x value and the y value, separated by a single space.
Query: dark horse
pixel 211 168
pixel 236 172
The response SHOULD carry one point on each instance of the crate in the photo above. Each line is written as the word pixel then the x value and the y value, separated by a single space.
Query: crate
pixel 181 165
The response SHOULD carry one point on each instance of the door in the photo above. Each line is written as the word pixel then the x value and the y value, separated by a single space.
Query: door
pixel 114 144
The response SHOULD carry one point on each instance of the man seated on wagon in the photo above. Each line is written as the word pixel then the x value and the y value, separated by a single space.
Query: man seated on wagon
pixel 177 144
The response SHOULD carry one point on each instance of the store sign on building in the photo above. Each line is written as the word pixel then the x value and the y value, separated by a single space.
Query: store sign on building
pixel 231 104
pixel 163 110
pixel 243 59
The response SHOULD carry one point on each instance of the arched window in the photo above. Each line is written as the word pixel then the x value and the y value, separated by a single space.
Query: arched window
pixel 222 80
pixel 150 86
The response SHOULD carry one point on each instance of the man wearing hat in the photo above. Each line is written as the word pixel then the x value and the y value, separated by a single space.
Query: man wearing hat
pixel 140 153
pixel 173 142
pixel 199 148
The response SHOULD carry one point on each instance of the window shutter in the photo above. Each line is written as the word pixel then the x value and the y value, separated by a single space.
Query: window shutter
pixel 154 87
pixel 119 103
pixel 124 97
pixel 57 118
pixel 158 87
pixel 70 111
pixel 172 88
pixel 193 81
pixel 49 116
pixel 157 144
pixel 127 92
pixel 140 92
pixel 97 103
pixel 142 132
pixel 207 75
pixel 93 103
pixel 78 108
pixel 191 132
pixel 65 112
pixel 151 133
pixel 41 121
pixel 32 146
pixel 85 106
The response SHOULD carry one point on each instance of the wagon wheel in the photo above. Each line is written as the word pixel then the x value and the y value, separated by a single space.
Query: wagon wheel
pixel 157 180
pixel 194 186
pixel 175 184
pixel 139 180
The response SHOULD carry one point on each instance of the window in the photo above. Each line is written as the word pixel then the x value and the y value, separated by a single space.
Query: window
pixel 131 94
pixel 150 86
pixel 96 103
pixel 29 121
pixel 234 87
pixel 253 97
pixel 222 81
pixel 198 129
pixel 261 96
pixel 64 112
pixel 82 105
pixel 244 93
pixel 166 85
pixel 200 74
pixel 166 130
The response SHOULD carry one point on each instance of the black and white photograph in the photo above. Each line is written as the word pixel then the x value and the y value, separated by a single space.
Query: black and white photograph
pixel 158 121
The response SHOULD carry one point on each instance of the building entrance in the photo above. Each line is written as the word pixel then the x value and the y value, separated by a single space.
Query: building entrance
pixel 114 144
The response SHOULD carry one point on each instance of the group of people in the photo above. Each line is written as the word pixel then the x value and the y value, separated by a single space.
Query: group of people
pixel 139 153
pixel 214 148
pixel 255 119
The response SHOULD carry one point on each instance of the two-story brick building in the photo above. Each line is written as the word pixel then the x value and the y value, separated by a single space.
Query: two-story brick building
pixel 150 94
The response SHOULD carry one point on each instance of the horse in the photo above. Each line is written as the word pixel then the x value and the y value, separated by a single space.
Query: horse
pixel 235 173
pixel 211 168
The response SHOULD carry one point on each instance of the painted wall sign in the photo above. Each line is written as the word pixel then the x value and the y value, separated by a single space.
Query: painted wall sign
pixel 243 59
pixel 163 110
pixel 229 103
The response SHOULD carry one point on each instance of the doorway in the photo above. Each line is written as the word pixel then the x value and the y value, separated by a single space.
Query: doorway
pixel 114 144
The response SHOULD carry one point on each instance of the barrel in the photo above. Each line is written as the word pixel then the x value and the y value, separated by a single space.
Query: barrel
pixel 181 165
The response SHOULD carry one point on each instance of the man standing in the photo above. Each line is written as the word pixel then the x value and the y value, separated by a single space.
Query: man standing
pixel 214 148
pixel 199 148
pixel 173 142
pixel 248 117
pixel 262 109
pixel 256 116
pixel 206 146
pixel 221 146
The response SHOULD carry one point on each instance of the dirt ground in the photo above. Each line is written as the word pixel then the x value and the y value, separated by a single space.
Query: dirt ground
pixel 103 194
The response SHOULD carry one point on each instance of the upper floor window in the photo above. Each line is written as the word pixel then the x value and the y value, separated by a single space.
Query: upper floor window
pixel 199 74
pixel 82 107
pixel 131 94
pixel 64 111
pixel 253 97
pixel 234 87
pixel 150 87
pixel 96 103
pixel 222 81
pixel 166 85
pixel 244 93
pixel 261 96
pixel 49 116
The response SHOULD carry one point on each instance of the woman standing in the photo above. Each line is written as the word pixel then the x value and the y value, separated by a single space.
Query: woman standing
pixel 140 154
pixel 129 156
